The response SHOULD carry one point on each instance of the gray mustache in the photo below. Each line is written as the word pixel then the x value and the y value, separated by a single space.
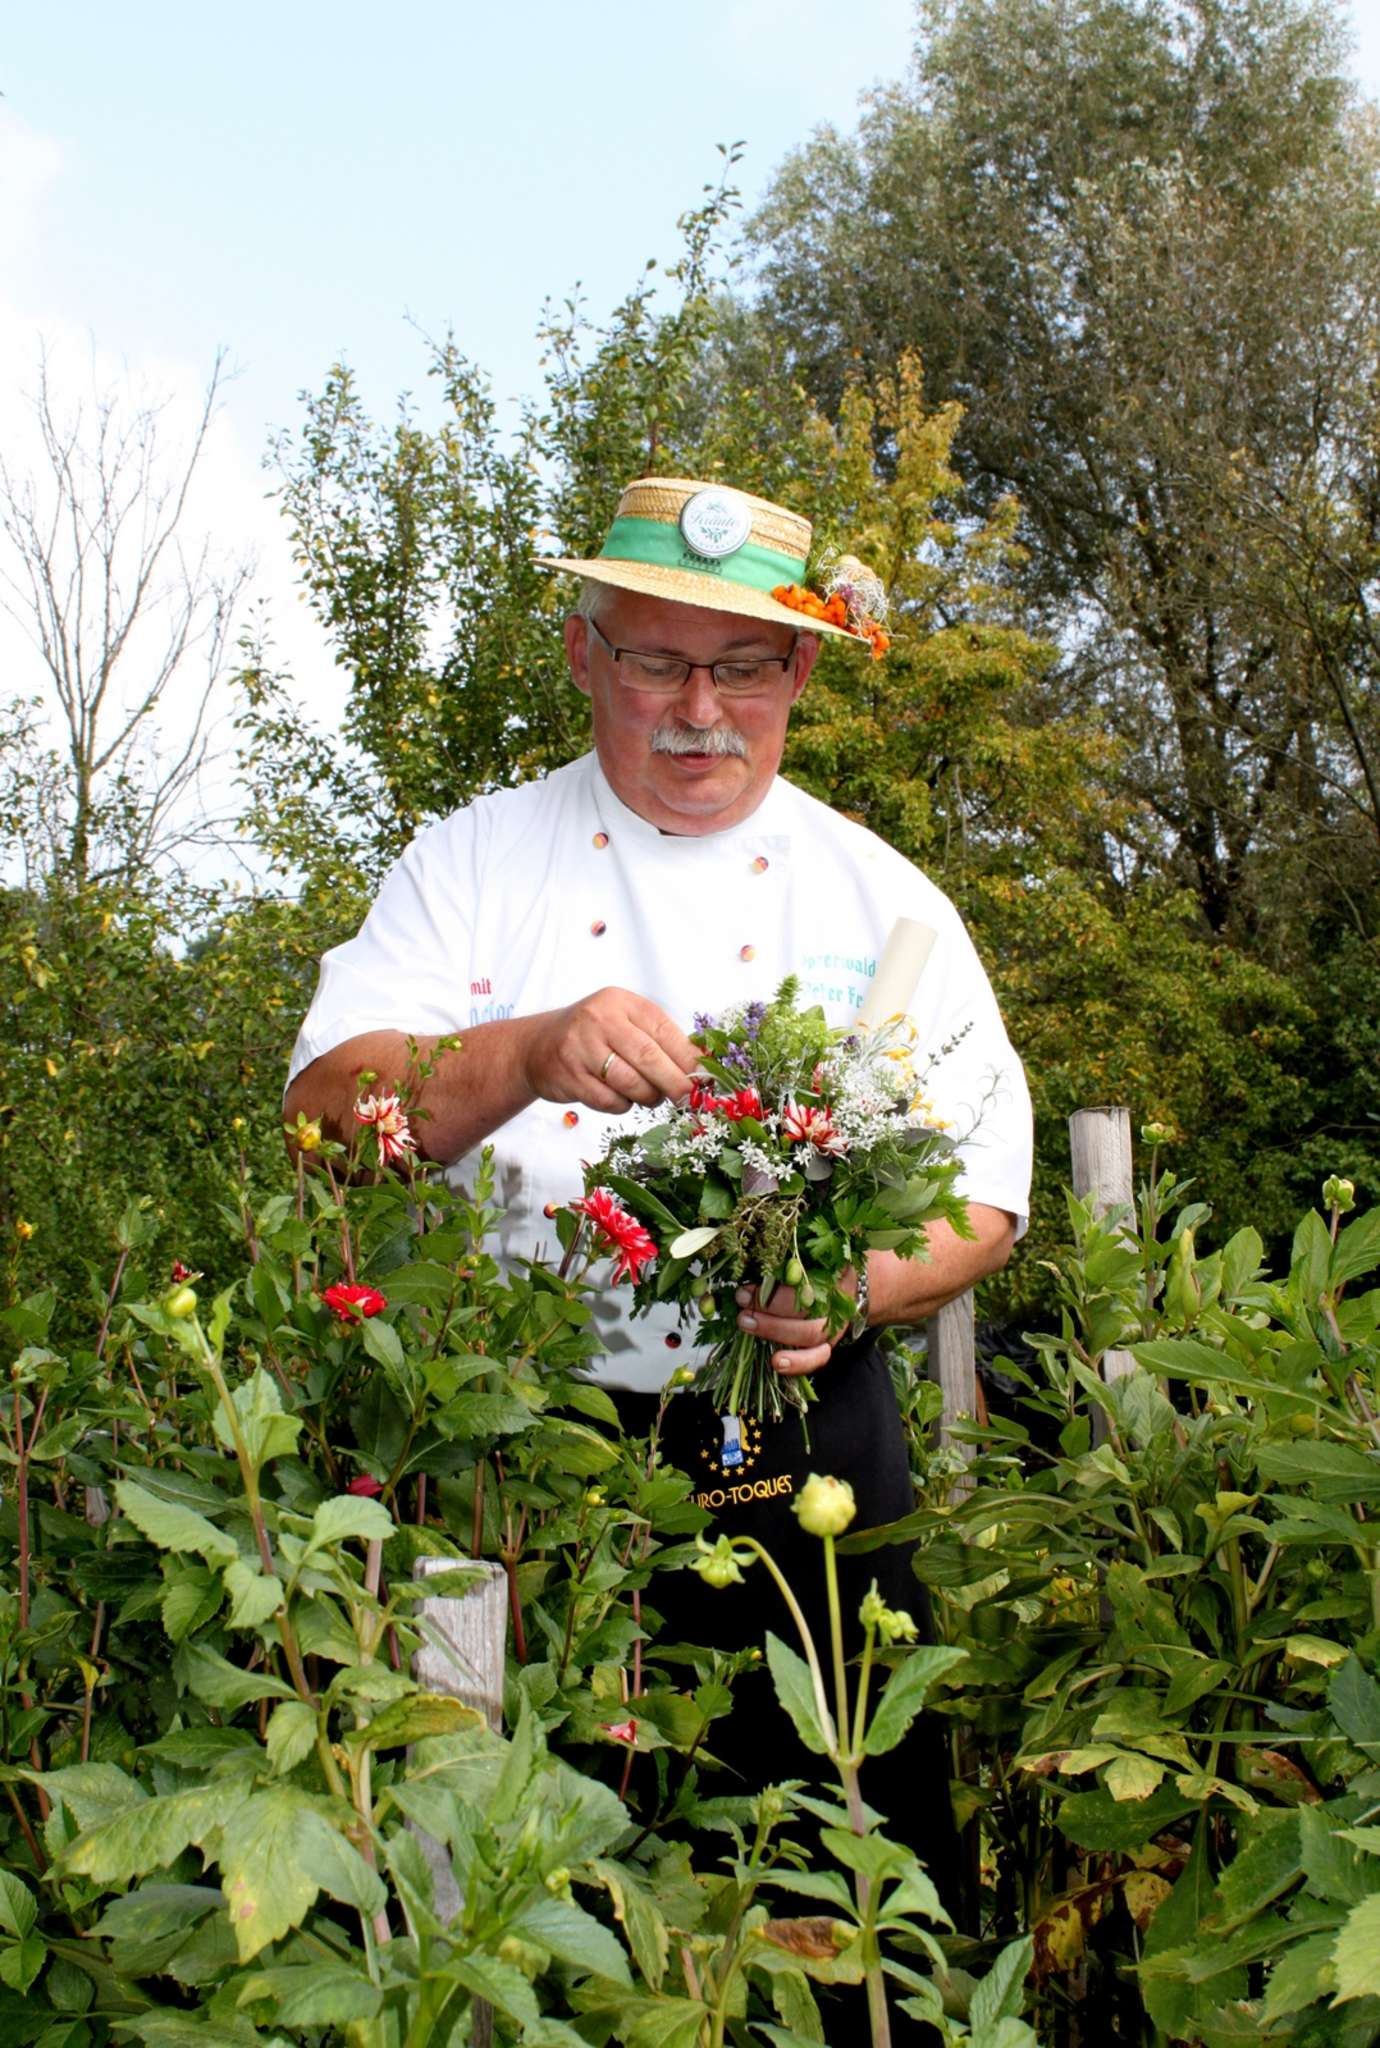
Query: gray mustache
pixel 686 739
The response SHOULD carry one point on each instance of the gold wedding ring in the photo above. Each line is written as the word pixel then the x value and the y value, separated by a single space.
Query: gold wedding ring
pixel 609 1059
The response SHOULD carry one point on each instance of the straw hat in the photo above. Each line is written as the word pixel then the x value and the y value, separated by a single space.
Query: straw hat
pixel 704 544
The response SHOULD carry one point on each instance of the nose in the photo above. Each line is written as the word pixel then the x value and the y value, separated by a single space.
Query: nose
pixel 699 701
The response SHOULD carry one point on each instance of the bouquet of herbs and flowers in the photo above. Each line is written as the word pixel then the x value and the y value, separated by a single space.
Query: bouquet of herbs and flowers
pixel 801 1148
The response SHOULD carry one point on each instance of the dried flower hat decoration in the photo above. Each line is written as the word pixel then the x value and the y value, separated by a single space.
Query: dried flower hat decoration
pixel 850 597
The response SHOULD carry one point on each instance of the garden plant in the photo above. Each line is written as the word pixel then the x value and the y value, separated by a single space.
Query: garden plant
pixel 1155 1600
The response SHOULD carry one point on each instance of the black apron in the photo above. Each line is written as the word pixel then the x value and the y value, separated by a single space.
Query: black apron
pixel 854 1433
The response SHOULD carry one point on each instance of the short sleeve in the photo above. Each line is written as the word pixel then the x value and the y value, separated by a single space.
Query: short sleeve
pixel 977 1081
pixel 408 966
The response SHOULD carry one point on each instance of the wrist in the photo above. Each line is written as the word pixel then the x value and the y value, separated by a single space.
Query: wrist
pixel 862 1303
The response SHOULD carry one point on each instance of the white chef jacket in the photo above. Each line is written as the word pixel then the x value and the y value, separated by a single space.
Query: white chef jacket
pixel 530 898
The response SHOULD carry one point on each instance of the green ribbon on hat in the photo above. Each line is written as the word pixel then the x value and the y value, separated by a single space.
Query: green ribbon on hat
pixel 664 546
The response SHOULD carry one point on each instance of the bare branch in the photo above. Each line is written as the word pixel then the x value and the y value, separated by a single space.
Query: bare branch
pixel 95 571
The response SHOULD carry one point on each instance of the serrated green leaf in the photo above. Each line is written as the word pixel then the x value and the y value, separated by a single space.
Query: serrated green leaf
pixel 21 1961
pixel 18 1906
pixel 202 1749
pixel 290 1735
pixel 191 1595
pixel 319 1994
pixel 346 1516
pixel 1356 1953
pixel 268 1433
pixel 815 1884
pixel 796 1692
pixel 270 1858
pixel 220 1683
pixel 255 1596
pixel 640 1917
pixel 1302 1975
pixel 174 1528
pixel 383 1344
pixel 154 1833
pixel 905 1694
pixel 1354 1698
pixel 92 1792
pixel 1000 1995
pixel 873 1855
pixel 573 1936
pixel 1269 1863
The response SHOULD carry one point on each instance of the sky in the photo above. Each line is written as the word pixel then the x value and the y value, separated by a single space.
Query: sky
pixel 294 183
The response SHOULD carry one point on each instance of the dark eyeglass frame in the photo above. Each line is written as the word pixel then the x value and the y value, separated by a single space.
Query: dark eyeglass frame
pixel 727 687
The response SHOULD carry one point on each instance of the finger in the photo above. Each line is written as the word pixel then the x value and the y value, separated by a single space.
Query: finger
pixel 644 1070
pixel 791 1363
pixel 796 1332
pixel 620 1082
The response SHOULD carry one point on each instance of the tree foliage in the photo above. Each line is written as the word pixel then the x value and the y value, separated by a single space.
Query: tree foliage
pixel 1140 243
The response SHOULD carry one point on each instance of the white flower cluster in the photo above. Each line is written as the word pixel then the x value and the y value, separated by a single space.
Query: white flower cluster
pixel 864 1091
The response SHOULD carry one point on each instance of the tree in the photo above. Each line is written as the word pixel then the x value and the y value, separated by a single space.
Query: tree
pixel 1140 243
pixel 119 613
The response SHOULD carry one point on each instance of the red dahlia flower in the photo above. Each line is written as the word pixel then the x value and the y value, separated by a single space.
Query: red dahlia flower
pixel 352 1304
pixel 365 1483
pixel 621 1232
pixel 620 1731
pixel 805 1126
pixel 389 1120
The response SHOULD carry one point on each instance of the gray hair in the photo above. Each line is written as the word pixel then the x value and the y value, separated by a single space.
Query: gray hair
pixel 586 604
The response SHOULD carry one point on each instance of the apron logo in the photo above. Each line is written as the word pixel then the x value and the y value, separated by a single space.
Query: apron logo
pixel 749 1489
pixel 741 1446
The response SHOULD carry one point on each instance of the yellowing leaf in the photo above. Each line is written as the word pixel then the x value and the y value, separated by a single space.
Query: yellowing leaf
pixel 1314 1650
pixel 1145 1893
pixel 1133 1777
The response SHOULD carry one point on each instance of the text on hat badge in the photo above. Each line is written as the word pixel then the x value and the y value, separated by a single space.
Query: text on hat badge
pixel 715 523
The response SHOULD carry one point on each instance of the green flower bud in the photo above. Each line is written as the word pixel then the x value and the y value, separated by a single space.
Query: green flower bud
pixel 716 1564
pixel 523 1955
pixel 826 1506
pixel 181 1301
pixel 795 1272
pixel 705 1305
pixel 1157 1134
pixel 1339 1194
pixel 558 1882
pixel 892 1624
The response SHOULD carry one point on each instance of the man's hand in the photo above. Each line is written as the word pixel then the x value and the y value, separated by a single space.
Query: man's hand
pixel 608 1051
pixel 905 1291
pixel 805 1341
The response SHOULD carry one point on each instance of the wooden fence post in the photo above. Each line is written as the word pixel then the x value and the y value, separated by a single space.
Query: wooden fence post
pixel 1100 1151
pixel 953 1362
pixel 462 1654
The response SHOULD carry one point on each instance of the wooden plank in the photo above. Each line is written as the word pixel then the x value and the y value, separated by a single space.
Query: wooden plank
pixel 953 1363
pixel 462 1655
pixel 1100 1151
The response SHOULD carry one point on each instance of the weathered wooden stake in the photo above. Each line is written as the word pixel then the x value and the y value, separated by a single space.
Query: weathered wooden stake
pixel 953 1363
pixel 1100 1151
pixel 463 1657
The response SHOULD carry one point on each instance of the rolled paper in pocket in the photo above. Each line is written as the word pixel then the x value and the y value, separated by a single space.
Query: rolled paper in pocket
pixel 898 973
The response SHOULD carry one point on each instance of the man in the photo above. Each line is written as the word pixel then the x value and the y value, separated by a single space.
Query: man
pixel 570 930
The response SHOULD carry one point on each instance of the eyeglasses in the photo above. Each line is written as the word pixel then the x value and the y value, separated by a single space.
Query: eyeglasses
pixel 662 675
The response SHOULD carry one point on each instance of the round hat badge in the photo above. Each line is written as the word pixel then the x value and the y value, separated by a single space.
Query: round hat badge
pixel 715 523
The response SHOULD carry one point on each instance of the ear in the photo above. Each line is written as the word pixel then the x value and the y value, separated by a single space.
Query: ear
pixel 806 652
pixel 577 650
